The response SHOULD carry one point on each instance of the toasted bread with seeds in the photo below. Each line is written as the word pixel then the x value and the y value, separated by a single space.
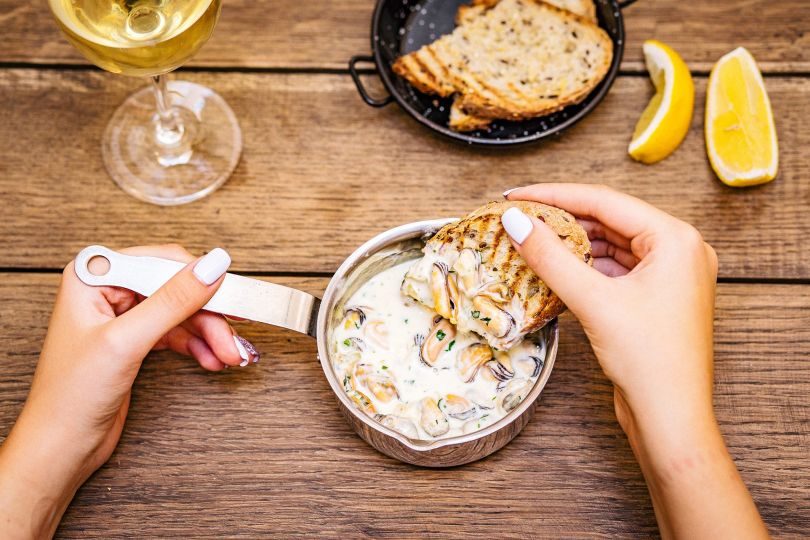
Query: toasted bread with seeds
pixel 584 8
pixel 472 275
pixel 516 60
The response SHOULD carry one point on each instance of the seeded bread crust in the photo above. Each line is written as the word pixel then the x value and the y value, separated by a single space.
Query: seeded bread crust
pixel 482 230
pixel 515 60
pixel 584 8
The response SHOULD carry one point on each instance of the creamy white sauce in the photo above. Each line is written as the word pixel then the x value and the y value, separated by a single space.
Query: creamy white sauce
pixel 382 343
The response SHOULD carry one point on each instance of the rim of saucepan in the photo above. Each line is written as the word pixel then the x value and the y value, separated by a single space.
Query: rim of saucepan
pixel 337 284
pixel 590 102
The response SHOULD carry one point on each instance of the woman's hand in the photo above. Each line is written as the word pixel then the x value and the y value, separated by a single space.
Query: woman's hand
pixel 647 307
pixel 96 341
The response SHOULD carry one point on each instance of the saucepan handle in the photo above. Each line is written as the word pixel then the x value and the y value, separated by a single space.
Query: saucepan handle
pixel 374 102
pixel 238 296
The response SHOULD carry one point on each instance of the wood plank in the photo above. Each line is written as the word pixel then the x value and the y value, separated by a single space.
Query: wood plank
pixel 264 449
pixel 321 172
pixel 286 33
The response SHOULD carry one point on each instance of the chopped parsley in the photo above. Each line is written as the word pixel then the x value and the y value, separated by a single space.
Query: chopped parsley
pixel 476 314
pixel 357 325
pixel 347 342
pixel 384 366
pixel 440 335
pixel 486 319
pixel 450 347
pixel 406 321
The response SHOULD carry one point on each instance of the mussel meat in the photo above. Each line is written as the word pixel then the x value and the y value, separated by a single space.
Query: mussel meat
pixel 444 290
pixel 377 331
pixel 497 321
pixel 470 360
pixel 354 318
pixel 514 393
pixel 437 340
pixel 467 267
pixel 530 366
pixel 398 424
pixel 432 419
pixel 458 407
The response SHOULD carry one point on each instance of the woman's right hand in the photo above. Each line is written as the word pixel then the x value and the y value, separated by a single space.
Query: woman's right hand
pixel 647 307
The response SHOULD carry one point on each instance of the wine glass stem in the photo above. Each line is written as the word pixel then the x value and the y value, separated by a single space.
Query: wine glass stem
pixel 168 126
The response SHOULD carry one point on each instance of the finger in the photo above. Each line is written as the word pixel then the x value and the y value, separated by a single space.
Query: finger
pixel 601 248
pixel 174 252
pixel 177 300
pixel 217 334
pixel 564 272
pixel 184 342
pixel 598 231
pixel 626 215
pixel 610 267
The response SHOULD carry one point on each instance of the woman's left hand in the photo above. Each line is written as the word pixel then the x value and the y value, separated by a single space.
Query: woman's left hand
pixel 79 398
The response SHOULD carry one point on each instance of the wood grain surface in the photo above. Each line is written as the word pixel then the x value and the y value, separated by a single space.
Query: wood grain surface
pixel 325 34
pixel 321 172
pixel 263 451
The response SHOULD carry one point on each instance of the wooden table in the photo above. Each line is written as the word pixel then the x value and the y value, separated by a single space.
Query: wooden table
pixel 263 451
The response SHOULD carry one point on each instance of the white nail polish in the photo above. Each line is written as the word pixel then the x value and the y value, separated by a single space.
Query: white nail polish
pixel 211 267
pixel 517 224
pixel 242 352
pixel 508 191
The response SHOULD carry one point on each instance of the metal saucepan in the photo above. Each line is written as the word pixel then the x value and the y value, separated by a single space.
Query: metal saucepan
pixel 402 26
pixel 269 303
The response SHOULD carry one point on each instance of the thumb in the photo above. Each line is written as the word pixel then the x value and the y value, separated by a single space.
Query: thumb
pixel 563 271
pixel 178 299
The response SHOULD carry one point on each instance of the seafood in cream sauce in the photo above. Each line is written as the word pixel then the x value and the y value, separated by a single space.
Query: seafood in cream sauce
pixel 412 370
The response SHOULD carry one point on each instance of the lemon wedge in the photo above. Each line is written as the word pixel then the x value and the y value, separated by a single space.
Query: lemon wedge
pixel 665 121
pixel 740 133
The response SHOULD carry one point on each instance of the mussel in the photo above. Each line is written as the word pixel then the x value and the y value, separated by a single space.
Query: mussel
pixel 530 366
pixel 458 407
pixel 354 318
pixel 381 385
pixel 470 360
pixel 468 269
pixel 441 335
pixel 432 419
pixel 482 400
pixel 514 393
pixel 444 290
pixel 498 322
pixel 398 424
pixel 500 368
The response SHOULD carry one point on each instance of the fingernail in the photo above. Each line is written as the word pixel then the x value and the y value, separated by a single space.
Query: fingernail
pixel 247 351
pixel 211 267
pixel 508 191
pixel 517 224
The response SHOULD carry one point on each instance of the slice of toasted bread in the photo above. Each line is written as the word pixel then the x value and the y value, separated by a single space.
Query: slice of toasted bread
pixel 518 59
pixel 584 8
pixel 460 120
pixel 473 276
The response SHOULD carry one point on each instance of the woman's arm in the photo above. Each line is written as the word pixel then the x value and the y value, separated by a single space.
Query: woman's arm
pixel 79 398
pixel 647 307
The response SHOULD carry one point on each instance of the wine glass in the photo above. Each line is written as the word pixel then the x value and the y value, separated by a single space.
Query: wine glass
pixel 184 142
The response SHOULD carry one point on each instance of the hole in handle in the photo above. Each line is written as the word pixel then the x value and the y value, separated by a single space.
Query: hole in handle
pixel 98 265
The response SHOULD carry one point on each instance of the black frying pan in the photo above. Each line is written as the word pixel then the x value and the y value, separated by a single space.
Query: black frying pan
pixel 402 26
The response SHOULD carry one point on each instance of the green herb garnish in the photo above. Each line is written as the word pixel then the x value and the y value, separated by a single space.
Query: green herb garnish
pixel 347 342
pixel 385 367
pixel 476 314
pixel 450 347
pixel 440 335
pixel 486 319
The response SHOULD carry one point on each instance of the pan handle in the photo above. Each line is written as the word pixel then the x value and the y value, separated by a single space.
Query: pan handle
pixel 360 88
pixel 238 296
pixel 624 3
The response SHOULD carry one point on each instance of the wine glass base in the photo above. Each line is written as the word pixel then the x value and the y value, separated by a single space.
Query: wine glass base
pixel 200 162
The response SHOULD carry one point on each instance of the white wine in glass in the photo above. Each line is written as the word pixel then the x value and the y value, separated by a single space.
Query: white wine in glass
pixel 172 143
